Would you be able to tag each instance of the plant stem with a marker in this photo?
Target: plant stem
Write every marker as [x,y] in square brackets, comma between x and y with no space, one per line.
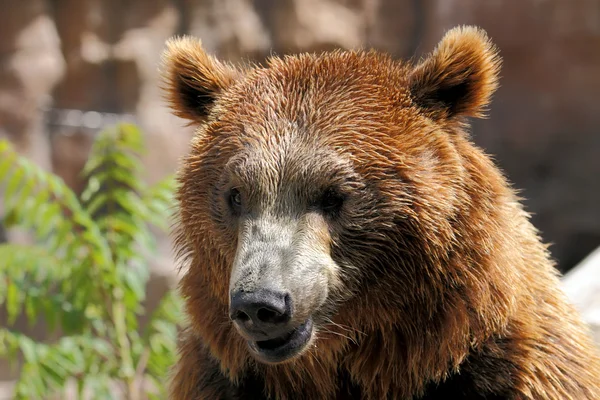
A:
[123,341]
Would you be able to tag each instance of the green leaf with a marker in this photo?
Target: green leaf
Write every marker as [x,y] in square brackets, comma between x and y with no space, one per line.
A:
[126,162]
[29,349]
[41,199]
[96,203]
[72,321]
[57,186]
[131,137]
[26,189]
[55,373]
[91,189]
[7,159]
[136,283]
[48,218]
[13,303]
[13,184]
[50,315]
[31,309]
[126,178]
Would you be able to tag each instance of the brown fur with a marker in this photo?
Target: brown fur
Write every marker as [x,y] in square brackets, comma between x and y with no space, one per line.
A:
[447,291]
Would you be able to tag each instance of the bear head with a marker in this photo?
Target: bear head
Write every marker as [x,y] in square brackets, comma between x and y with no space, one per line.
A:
[328,196]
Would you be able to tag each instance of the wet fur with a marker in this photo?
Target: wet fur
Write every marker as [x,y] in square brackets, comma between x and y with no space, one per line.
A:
[447,290]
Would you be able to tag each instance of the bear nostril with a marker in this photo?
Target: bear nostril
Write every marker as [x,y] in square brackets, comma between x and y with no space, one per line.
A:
[240,316]
[267,315]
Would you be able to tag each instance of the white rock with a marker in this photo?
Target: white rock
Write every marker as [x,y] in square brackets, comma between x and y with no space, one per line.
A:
[582,286]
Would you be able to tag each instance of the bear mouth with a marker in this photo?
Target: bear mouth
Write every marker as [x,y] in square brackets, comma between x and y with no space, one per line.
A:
[284,347]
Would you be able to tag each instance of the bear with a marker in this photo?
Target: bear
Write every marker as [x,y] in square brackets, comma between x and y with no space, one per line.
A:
[343,237]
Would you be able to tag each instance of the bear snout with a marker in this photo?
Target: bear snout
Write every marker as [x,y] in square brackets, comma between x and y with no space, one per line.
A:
[262,314]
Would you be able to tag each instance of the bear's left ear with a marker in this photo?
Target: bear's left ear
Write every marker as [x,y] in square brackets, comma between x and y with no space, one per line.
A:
[193,80]
[459,77]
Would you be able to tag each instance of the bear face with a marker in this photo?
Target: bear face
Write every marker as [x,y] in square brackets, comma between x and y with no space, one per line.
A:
[291,174]
[335,216]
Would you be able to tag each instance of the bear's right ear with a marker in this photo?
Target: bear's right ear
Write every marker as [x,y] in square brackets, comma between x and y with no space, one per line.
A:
[193,80]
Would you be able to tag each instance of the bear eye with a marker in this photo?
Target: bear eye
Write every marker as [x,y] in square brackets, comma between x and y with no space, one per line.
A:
[235,200]
[331,201]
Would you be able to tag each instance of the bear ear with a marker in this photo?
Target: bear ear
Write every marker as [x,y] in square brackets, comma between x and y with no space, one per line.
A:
[193,80]
[459,77]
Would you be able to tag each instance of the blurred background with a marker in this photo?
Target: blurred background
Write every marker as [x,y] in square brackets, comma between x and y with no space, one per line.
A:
[68,68]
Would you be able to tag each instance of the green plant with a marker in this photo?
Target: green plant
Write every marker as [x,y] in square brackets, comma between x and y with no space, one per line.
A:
[86,273]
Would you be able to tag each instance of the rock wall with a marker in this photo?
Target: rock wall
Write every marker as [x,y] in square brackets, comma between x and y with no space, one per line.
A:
[582,286]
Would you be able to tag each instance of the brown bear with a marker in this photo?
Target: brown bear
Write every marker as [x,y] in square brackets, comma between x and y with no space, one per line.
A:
[344,238]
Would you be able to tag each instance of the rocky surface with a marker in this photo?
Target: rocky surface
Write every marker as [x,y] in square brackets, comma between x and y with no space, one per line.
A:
[582,286]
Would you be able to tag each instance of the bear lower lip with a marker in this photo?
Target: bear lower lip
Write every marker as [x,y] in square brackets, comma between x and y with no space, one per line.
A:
[284,347]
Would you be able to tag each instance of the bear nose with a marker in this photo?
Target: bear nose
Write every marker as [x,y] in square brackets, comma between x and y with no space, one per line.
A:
[262,309]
